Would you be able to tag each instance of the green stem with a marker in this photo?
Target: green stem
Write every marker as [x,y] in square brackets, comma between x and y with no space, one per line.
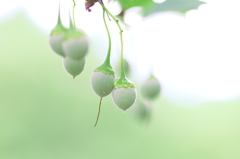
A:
[59,17]
[107,61]
[121,39]
[99,110]
[74,4]
[121,57]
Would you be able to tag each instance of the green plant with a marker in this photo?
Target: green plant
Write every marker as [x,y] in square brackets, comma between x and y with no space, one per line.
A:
[73,45]
[74,67]
[56,36]
[127,68]
[75,42]
[102,78]
[124,93]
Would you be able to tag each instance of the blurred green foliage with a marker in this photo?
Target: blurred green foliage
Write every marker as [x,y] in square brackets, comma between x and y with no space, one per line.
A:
[45,114]
[150,7]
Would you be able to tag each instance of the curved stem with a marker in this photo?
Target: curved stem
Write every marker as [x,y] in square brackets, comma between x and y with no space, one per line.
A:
[121,39]
[107,61]
[99,109]
[74,4]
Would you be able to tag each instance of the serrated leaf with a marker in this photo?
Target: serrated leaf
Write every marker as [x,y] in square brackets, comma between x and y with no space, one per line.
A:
[181,6]
[150,7]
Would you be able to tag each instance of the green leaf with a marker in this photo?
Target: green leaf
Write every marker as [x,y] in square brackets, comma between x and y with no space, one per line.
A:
[126,4]
[181,6]
[150,7]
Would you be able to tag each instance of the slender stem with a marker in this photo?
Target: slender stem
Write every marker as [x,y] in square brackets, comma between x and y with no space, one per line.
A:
[107,13]
[111,16]
[74,4]
[121,39]
[59,17]
[121,57]
[99,109]
[107,61]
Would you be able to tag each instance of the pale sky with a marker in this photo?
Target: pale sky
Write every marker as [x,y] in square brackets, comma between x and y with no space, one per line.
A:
[196,56]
